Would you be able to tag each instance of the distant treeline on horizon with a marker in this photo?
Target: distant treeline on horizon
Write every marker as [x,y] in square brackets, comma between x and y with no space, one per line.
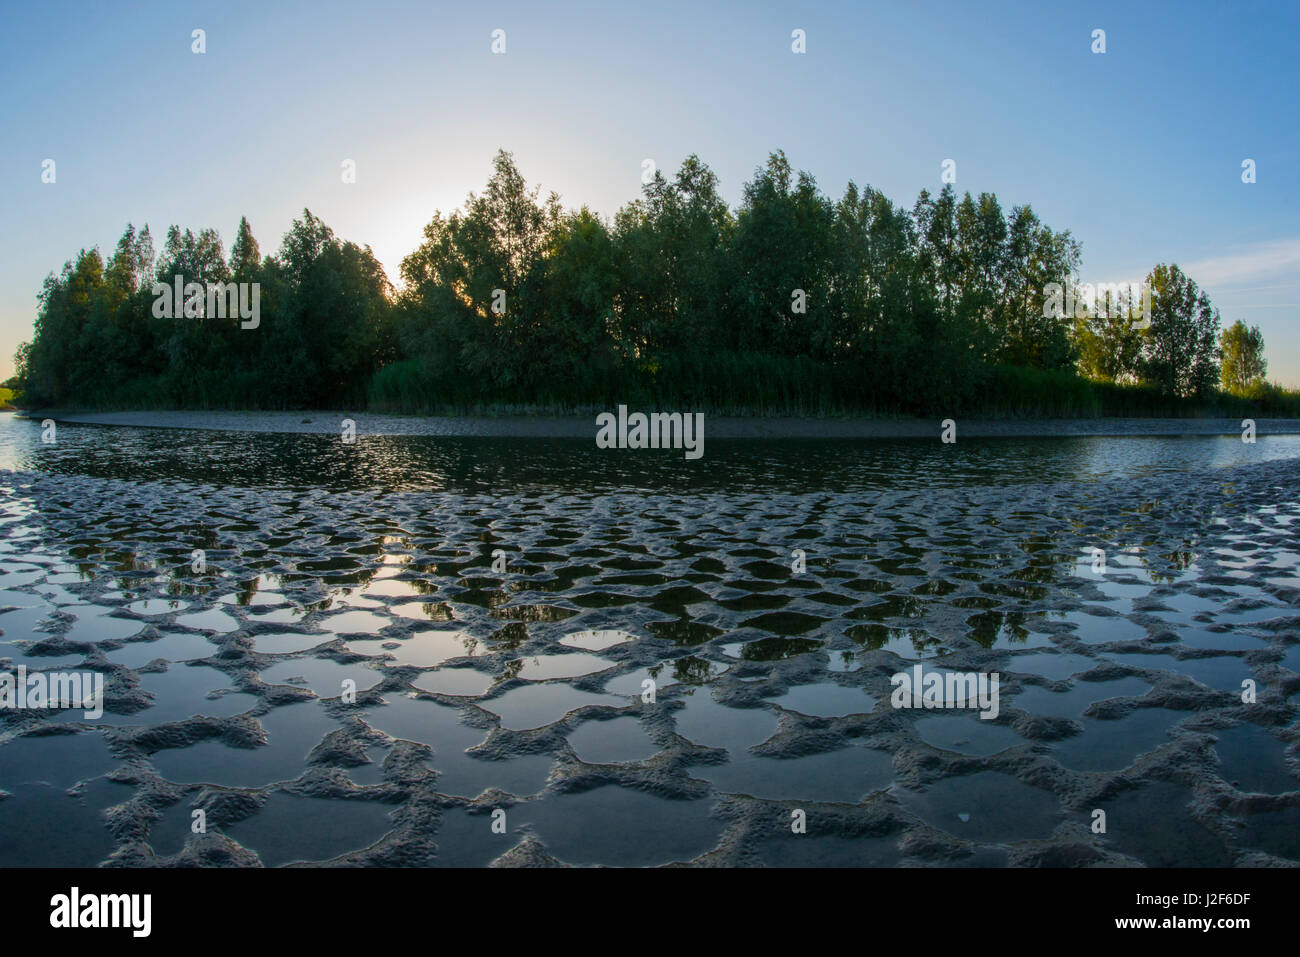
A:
[791,304]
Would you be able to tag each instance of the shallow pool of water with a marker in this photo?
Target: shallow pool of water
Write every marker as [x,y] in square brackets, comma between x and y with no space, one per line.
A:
[625,652]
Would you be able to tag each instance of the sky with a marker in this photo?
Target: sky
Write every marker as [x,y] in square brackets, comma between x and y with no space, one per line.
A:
[1138,151]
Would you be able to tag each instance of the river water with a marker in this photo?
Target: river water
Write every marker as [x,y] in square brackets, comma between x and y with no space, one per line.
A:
[453,651]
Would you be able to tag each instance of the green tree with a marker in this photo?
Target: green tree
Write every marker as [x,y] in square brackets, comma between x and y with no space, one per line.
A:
[675,274]
[327,325]
[1180,347]
[1034,256]
[244,255]
[1109,346]
[781,243]
[1244,366]
[475,301]
[22,362]
[131,265]
[878,305]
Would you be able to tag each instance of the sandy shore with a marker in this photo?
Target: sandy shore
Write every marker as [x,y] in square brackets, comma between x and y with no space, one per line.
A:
[584,427]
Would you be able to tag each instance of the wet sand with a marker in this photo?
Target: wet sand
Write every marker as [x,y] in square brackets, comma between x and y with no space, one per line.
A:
[480,690]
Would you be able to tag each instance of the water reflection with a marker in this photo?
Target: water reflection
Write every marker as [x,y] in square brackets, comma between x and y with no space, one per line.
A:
[392,463]
[651,626]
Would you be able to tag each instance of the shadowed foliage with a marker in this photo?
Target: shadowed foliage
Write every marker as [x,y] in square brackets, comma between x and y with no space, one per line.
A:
[790,304]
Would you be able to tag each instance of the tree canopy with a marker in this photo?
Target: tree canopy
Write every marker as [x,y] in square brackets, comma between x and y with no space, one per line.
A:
[790,302]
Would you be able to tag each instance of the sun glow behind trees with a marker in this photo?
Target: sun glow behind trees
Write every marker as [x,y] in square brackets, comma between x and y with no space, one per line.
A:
[792,302]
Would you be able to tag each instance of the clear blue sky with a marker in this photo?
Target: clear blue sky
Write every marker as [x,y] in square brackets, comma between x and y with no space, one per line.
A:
[1137,151]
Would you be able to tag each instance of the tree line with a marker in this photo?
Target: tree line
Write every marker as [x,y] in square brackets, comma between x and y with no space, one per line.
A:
[792,302]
